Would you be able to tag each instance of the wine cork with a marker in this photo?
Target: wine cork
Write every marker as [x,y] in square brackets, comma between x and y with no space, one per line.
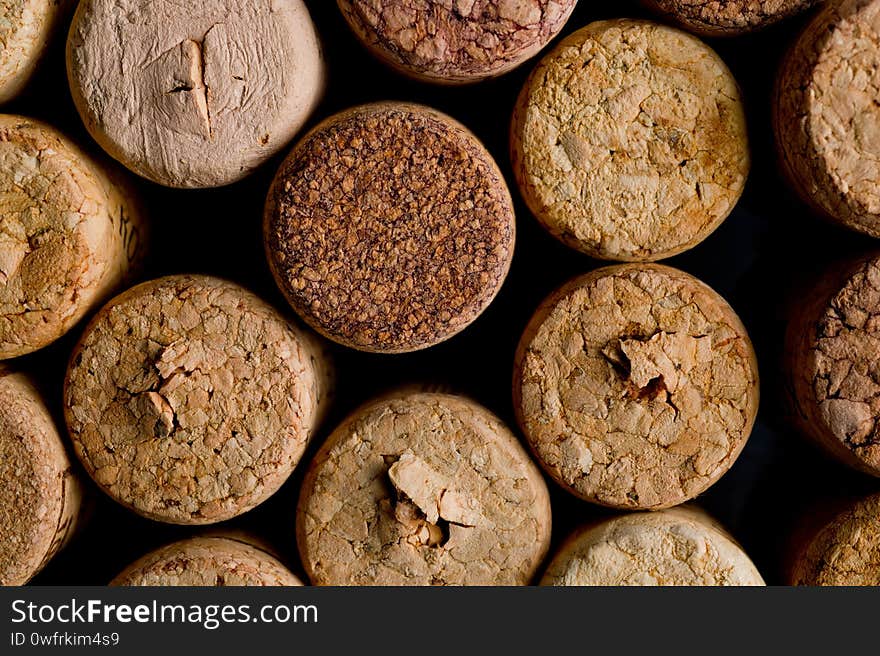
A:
[680,547]
[26,28]
[194,94]
[422,489]
[826,116]
[636,386]
[728,17]
[189,400]
[831,364]
[207,561]
[389,228]
[845,550]
[456,42]
[41,497]
[629,141]
[69,235]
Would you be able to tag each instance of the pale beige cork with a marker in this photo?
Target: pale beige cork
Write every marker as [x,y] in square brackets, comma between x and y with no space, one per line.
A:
[194,94]
[831,364]
[728,17]
[636,386]
[422,489]
[675,547]
[207,561]
[629,141]
[26,29]
[844,550]
[389,228]
[190,400]
[71,232]
[826,114]
[455,41]
[41,496]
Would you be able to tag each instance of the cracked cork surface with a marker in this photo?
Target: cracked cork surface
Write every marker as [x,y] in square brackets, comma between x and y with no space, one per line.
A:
[629,141]
[832,368]
[455,41]
[40,497]
[207,561]
[190,400]
[69,235]
[194,94]
[389,228]
[636,386]
[676,547]
[728,17]
[827,117]
[423,489]
[844,551]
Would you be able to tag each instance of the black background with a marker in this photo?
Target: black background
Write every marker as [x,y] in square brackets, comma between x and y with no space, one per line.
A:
[758,260]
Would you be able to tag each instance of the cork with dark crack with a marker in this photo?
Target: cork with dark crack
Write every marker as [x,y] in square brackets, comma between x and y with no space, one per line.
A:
[826,114]
[207,561]
[728,17]
[190,400]
[636,386]
[389,228]
[675,547]
[629,141]
[455,41]
[844,551]
[70,233]
[40,496]
[194,94]
[832,369]
[422,489]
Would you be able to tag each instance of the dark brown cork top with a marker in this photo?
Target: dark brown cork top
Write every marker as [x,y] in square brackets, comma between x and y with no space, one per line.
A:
[728,17]
[389,228]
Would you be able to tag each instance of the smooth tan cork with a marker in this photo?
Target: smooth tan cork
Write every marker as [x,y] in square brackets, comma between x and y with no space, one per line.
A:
[728,17]
[70,233]
[194,94]
[629,141]
[832,371]
[826,115]
[842,551]
[455,42]
[26,29]
[676,547]
[389,228]
[190,400]
[207,561]
[422,489]
[636,386]
[40,497]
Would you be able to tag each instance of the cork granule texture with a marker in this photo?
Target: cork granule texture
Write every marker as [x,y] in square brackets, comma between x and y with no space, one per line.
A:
[189,400]
[26,27]
[729,17]
[389,228]
[456,41]
[629,141]
[636,386]
[423,489]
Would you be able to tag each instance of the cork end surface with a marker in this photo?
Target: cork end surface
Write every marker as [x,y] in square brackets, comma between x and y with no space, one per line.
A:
[729,17]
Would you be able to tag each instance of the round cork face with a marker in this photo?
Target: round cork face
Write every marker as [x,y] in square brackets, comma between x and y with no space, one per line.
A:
[65,235]
[629,141]
[389,259]
[422,489]
[636,386]
[456,42]
[729,17]
[194,94]
[834,374]
[681,546]
[189,400]
[207,561]
[827,117]
[845,551]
